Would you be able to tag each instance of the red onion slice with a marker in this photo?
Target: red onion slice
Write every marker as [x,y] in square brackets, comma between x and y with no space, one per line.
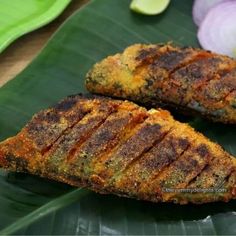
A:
[201,7]
[218,30]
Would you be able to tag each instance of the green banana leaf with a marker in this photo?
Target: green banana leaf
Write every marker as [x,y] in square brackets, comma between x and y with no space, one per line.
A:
[31,205]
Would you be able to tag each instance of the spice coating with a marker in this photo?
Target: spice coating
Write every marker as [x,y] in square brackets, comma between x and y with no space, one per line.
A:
[118,147]
[189,80]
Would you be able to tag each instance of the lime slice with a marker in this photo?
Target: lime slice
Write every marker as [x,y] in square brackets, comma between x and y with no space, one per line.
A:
[149,7]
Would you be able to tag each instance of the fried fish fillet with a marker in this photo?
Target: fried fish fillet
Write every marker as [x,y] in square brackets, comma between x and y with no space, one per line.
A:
[189,80]
[117,147]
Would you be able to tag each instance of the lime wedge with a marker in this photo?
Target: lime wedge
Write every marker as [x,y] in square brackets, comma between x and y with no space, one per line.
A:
[149,7]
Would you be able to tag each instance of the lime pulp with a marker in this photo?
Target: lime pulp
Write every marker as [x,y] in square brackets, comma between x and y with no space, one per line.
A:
[149,7]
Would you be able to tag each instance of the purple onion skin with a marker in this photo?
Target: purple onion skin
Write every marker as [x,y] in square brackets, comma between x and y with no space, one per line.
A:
[201,8]
[217,32]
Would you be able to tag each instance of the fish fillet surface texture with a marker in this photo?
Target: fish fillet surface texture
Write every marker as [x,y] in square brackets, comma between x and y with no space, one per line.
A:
[117,147]
[189,80]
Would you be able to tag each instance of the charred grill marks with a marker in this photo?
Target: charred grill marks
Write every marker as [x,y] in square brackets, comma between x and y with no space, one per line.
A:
[121,172]
[121,148]
[140,171]
[64,150]
[104,138]
[48,126]
[189,79]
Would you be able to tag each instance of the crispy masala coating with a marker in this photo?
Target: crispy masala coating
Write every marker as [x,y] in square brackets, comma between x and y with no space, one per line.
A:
[189,80]
[118,147]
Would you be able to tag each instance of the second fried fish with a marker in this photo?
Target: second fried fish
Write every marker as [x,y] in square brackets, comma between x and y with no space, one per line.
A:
[191,80]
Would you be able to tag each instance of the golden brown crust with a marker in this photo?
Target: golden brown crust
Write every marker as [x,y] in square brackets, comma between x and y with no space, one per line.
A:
[189,79]
[114,146]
